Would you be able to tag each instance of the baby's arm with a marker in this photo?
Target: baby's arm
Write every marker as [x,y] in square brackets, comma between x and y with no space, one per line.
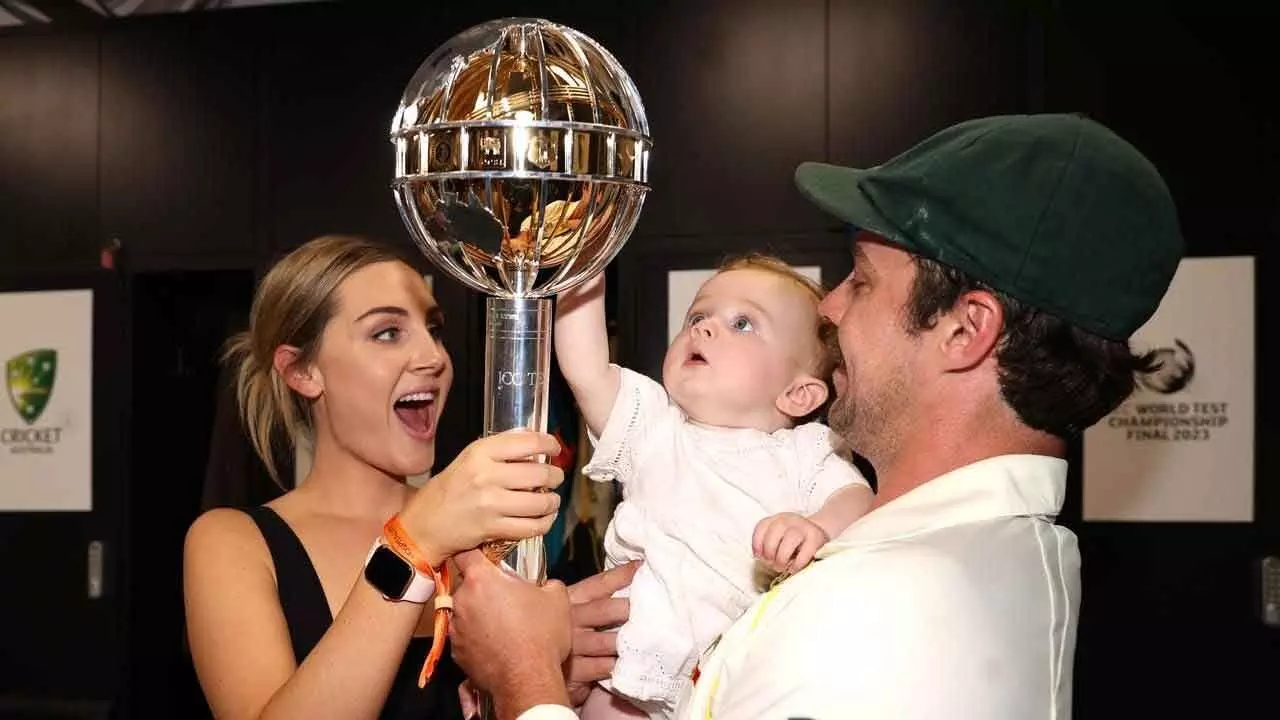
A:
[582,351]
[787,541]
[843,507]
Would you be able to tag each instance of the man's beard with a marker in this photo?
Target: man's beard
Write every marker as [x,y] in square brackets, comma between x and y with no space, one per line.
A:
[841,414]
[863,422]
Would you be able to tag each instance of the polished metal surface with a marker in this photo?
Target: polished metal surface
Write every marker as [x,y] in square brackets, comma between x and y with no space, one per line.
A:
[521,157]
[518,350]
[521,167]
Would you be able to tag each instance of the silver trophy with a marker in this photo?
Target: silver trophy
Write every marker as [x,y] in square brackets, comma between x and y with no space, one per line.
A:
[522,156]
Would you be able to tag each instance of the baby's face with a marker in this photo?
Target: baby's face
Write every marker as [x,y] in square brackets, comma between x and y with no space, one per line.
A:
[748,334]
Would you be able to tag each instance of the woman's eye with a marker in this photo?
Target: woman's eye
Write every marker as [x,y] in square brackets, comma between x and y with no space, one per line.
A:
[436,330]
[388,335]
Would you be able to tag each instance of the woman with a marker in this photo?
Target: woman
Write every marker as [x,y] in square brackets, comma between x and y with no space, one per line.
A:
[343,345]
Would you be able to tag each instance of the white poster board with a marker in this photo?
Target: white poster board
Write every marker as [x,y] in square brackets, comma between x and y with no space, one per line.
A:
[1181,449]
[682,288]
[46,416]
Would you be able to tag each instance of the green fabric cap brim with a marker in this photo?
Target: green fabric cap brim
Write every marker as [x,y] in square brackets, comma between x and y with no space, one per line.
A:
[837,191]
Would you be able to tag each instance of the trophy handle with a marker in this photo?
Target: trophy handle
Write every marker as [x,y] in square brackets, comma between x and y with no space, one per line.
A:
[517,361]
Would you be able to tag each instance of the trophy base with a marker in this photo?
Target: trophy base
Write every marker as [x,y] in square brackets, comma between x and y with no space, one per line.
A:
[526,558]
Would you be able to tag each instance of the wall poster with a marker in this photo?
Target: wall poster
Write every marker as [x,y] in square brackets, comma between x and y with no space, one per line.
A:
[46,418]
[1181,449]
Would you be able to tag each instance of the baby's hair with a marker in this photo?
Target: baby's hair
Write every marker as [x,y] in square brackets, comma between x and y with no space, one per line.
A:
[775,265]
[828,357]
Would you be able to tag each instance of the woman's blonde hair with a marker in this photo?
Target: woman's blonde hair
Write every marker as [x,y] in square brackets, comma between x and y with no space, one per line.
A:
[293,304]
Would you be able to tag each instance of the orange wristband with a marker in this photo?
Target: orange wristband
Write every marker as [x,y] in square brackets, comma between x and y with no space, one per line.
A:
[398,538]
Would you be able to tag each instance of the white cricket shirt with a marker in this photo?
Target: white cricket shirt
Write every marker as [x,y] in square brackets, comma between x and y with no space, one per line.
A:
[955,601]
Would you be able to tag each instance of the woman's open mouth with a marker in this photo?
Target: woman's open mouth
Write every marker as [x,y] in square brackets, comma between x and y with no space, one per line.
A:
[416,411]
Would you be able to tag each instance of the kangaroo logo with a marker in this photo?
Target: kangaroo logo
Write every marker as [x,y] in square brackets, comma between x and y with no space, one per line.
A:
[30,377]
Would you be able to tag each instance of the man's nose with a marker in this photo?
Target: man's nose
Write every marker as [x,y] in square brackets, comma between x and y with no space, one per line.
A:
[832,307]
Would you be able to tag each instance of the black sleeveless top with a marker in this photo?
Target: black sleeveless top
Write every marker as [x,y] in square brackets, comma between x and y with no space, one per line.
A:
[307,613]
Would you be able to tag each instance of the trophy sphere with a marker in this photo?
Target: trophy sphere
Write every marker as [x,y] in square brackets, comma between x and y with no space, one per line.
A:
[521,157]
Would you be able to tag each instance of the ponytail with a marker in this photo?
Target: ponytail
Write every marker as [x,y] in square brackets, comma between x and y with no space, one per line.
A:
[265,402]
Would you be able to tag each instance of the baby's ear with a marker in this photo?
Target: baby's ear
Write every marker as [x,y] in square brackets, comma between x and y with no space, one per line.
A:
[805,394]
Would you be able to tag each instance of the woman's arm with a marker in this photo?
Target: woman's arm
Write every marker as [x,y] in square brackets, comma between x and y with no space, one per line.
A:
[240,643]
[239,639]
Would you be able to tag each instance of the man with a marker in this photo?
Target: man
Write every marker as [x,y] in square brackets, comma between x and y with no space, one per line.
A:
[1000,267]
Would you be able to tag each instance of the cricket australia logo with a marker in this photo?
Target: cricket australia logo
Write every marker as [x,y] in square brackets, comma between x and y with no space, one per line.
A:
[29,378]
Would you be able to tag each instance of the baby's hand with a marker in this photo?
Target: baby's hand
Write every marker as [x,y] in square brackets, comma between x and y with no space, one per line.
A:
[787,541]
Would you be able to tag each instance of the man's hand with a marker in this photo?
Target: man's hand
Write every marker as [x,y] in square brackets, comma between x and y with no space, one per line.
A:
[510,636]
[787,541]
[595,613]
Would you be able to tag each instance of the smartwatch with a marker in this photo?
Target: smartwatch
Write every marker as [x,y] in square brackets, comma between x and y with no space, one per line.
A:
[395,577]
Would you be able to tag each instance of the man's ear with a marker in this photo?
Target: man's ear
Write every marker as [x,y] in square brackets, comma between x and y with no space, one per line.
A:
[971,331]
[804,395]
[303,379]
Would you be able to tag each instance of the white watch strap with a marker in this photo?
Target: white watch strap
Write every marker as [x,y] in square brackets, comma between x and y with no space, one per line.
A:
[420,587]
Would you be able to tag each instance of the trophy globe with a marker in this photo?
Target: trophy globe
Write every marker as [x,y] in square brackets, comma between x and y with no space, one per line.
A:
[521,166]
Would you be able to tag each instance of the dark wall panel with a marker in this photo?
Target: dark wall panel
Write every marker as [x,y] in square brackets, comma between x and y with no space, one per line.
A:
[901,71]
[332,78]
[48,152]
[178,147]
[734,93]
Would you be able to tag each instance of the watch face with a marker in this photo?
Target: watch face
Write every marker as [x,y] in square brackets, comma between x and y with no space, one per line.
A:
[388,573]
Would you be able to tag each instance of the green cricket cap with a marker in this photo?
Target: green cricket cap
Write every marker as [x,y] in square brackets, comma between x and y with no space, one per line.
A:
[1054,210]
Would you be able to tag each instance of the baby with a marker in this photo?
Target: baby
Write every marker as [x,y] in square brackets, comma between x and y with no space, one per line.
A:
[719,465]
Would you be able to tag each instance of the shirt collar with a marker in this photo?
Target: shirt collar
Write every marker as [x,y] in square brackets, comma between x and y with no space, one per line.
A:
[1002,486]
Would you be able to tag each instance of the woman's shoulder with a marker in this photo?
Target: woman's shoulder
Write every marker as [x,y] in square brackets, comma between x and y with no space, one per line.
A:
[223,532]
[226,525]
[225,556]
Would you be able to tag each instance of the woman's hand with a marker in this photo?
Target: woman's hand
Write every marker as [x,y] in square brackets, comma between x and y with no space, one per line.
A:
[489,492]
